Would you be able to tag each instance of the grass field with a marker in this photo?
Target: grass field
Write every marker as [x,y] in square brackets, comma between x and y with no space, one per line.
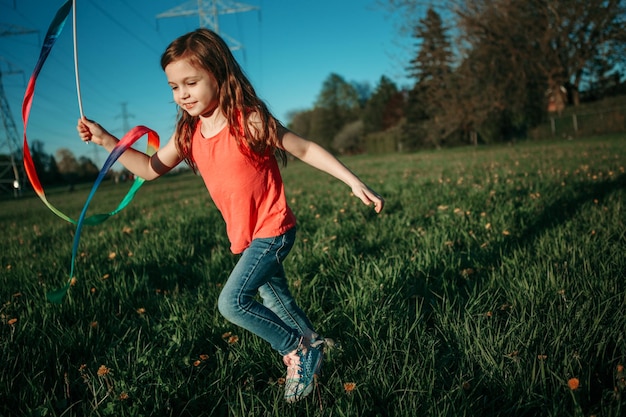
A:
[493,284]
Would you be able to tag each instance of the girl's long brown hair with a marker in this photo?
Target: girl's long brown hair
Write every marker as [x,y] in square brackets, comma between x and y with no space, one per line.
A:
[237,98]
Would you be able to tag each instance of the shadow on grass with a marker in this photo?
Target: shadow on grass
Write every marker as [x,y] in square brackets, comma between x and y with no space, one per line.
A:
[456,290]
[562,209]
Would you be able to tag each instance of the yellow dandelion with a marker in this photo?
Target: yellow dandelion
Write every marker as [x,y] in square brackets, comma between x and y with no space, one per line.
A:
[233,339]
[103,370]
[542,357]
[204,357]
[12,321]
[141,310]
[127,230]
[73,281]
[123,396]
[112,255]
[349,386]
[573,384]
[620,368]
[93,324]
[106,276]
[93,290]
[226,335]
[467,272]
[197,363]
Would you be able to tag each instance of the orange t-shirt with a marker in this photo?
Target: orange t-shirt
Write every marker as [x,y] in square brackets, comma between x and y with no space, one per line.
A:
[249,193]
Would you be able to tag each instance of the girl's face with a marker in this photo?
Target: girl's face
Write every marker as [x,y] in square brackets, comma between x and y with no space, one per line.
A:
[195,89]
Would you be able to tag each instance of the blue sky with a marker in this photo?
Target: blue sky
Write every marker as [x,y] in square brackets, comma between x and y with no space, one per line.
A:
[290,48]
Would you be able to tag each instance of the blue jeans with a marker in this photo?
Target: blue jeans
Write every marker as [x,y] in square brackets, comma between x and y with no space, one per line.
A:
[278,320]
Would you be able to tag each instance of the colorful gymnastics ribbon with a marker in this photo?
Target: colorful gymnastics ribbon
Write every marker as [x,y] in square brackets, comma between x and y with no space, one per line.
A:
[127,141]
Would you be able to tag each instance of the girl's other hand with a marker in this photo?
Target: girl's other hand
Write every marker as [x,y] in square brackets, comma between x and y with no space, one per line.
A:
[369,197]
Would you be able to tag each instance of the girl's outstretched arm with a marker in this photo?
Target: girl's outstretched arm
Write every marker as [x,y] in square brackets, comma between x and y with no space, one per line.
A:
[316,156]
[137,162]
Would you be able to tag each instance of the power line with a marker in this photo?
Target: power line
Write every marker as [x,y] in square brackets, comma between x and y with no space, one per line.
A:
[124,28]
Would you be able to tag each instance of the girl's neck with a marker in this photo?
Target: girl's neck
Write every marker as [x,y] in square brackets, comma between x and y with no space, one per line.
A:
[212,124]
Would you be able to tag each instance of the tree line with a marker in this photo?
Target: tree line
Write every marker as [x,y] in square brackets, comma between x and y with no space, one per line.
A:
[63,167]
[482,71]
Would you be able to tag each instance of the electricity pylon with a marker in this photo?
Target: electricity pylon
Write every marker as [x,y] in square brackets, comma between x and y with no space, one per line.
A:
[9,146]
[11,170]
[208,12]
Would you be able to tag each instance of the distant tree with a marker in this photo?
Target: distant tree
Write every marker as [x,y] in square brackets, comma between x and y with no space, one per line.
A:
[349,140]
[514,56]
[584,33]
[68,165]
[434,58]
[384,108]
[300,122]
[499,79]
[66,161]
[559,39]
[337,104]
[45,165]
[325,124]
[88,171]
[337,93]
[363,91]
[432,94]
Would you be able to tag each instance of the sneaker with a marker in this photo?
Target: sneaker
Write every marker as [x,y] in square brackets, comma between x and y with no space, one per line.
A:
[303,366]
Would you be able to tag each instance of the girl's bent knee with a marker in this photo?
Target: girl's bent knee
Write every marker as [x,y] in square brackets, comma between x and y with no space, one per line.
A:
[227,306]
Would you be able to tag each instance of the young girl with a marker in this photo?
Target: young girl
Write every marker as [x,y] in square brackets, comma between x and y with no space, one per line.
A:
[227,134]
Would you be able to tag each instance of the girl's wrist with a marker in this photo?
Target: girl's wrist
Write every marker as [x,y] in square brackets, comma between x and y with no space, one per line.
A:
[109,143]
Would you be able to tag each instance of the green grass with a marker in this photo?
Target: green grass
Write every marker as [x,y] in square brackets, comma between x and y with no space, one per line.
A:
[493,277]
